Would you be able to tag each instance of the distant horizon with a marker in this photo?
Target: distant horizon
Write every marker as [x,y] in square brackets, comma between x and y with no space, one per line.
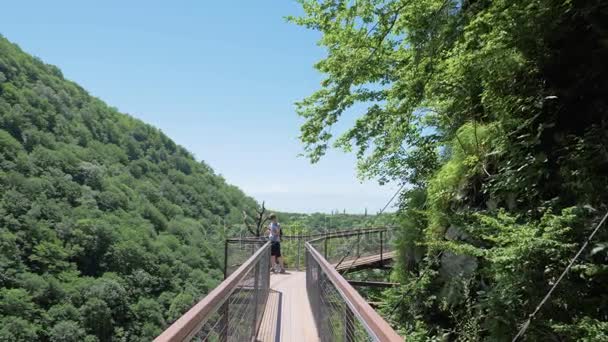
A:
[224,92]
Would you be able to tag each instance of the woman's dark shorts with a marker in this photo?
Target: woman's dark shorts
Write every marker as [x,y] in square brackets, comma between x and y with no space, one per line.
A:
[275,248]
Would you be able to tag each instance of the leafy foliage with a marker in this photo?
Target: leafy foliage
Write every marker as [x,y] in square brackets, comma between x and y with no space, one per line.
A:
[108,229]
[495,114]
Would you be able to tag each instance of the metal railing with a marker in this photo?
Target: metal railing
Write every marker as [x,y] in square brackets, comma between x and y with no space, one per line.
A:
[364,242]
[351,249]
[238,251]
[233,310]
[340,313]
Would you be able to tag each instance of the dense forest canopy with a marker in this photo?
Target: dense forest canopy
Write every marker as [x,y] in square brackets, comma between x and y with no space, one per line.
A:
[295,223]
[108,229]
[495,115]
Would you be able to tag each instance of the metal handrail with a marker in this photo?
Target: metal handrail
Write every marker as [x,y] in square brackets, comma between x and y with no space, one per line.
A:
[345,233]
[379,232]
[299,239]
[336,233]
[187,326]
[373,323]
[233,310]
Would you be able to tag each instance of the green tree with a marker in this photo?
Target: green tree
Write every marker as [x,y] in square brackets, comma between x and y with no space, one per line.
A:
[148,313]
[179,304]
[15,329]
[67,331]
[17,302]
[97,319]
[484,109]
[62,312]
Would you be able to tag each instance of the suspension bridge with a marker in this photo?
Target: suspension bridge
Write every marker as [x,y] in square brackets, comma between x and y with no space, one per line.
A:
[312,301]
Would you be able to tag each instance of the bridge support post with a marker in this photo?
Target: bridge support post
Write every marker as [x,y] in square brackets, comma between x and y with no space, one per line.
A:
[381,248]
[224,310]
[299,237]
[325,247]
[358,244]
[225,259]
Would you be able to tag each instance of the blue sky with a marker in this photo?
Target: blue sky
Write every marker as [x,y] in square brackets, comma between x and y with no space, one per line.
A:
[218,77]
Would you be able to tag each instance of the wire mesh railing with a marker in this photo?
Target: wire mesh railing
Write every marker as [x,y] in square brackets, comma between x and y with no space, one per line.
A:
[233,310]
[340,313]
[348,249]
[238,250]
[361,242]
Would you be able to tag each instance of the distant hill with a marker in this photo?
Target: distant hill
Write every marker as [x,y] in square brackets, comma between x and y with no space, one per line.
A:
[294,223]
[108,229]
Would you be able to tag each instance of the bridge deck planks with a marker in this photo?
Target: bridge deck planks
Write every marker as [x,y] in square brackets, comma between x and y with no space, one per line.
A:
[288,316]
[354,262]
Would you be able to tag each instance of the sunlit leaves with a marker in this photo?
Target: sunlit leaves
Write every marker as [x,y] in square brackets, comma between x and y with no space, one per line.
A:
[483,106]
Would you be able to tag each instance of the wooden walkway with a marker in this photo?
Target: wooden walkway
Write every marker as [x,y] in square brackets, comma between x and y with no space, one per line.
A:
[354,263]
[287,313]
[288,316]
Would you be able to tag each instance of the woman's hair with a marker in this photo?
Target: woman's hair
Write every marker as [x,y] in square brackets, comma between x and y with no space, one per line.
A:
[272,216]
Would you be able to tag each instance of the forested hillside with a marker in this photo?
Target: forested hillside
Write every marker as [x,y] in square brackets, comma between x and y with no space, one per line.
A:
[108,229]
[494,114]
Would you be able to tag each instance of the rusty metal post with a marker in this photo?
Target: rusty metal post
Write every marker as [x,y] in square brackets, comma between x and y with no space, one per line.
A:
[225,259]
[299,237]
[381,248]
[358,243]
